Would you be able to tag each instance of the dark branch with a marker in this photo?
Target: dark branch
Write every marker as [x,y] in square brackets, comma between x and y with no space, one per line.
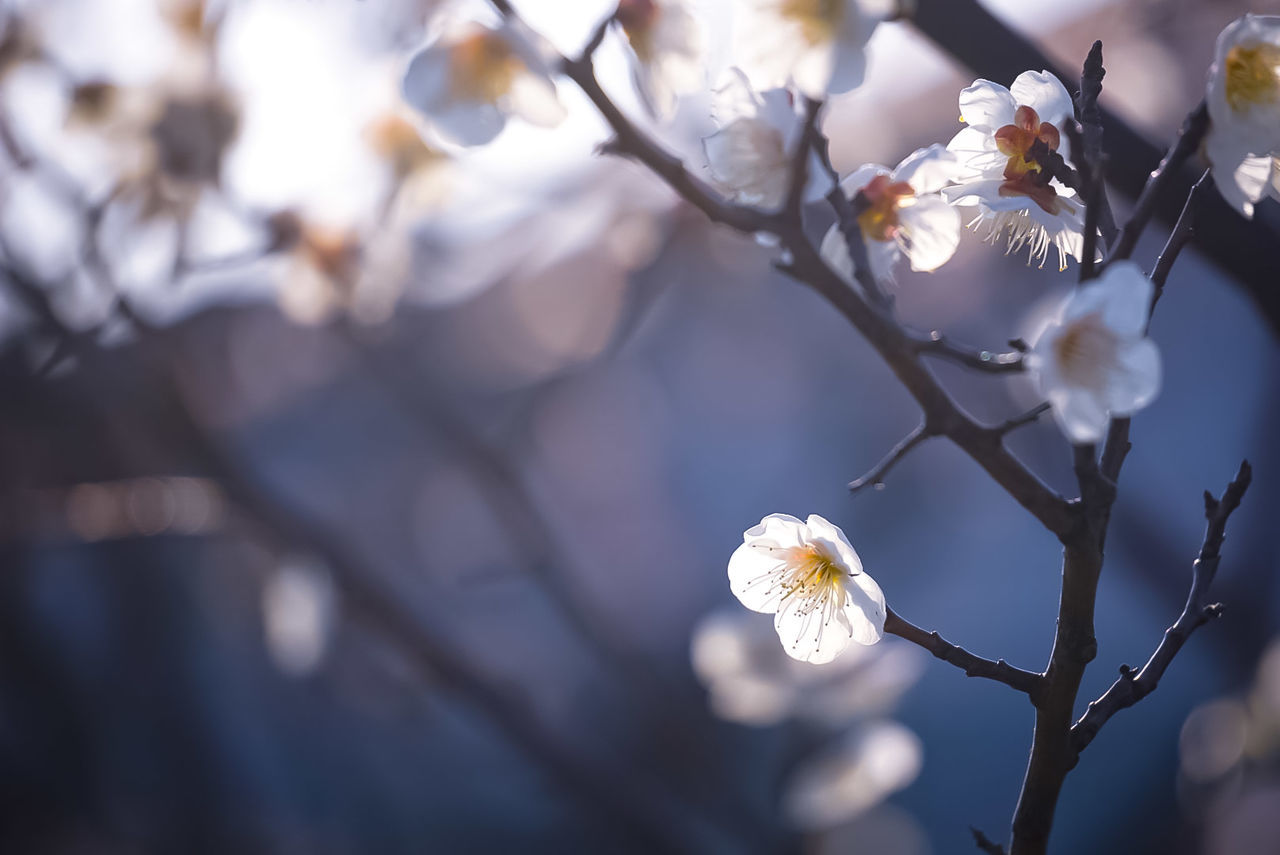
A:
[989,361]
[1132,686]
[1091,154]
[1183,231]
[1026,418]
[1027,682]
[876,476]
[986,844]
[847,222]
[799,177]
[1189,137]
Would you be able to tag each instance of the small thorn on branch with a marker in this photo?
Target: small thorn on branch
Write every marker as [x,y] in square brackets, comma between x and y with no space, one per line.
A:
[986,844]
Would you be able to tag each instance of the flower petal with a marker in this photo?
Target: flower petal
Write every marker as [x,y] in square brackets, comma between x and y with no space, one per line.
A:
[865,609]
[1135,382]
[986,105]
[1080,413]
[930,232]
[1045,93]
[1123,295]
[930,169]
[820,529]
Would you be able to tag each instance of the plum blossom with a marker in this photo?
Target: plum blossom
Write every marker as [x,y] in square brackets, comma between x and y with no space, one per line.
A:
[816,45]
[810,578]
[667,48]
[750,156]
[901,214]
[1008,130]
[1243,98]
[1095,360]
[750,680]
[468,80]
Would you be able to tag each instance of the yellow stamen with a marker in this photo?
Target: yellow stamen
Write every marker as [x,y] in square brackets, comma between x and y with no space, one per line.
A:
[819,20]
[483,68]
[1253,75]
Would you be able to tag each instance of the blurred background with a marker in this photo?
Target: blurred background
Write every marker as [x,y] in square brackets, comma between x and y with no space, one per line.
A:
[363,495]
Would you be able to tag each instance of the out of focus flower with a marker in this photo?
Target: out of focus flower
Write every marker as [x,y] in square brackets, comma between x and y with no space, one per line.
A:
[1010,132]
[1243,97]
[750,680]
[298,609]
[1095,361]
[750,155]
[870,762]
[817,45]
[472,77]
[810,578]
[667,44]
[901,214]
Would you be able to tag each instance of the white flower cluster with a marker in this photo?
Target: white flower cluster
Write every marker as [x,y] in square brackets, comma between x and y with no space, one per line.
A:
[1093,361]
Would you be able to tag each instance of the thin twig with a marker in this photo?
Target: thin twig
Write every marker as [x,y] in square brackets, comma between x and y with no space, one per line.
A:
[1133,686]
[1026,418]
[1189,137]
[1183,231]
[851,230]
[988,361]
[986,844]
[799,177]
[876,476]
[1091,152]
[1027,682]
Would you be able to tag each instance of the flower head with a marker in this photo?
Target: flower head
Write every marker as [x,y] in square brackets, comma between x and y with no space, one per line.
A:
[901,214]
[811,579]
[1095,360]
[667,48]
[817,45]
[467,81]
[1243,97]
[750,155]
[1010,134]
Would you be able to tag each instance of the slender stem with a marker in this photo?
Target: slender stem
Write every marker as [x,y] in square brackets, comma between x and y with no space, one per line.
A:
[1133,686]
[876,476]
[998,670]
[1189,137]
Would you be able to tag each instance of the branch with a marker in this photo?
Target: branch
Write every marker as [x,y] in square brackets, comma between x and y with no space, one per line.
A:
[1026,418]
[876,476]
[895,345]
[1189,137]
[1183,231]
[1091,153]
[1133,686]
[847,222]
[986,844]
[1027,682]
[809,134]
[991,362]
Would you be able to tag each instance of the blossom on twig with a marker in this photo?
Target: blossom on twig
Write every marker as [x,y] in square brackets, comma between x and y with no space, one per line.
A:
[1243,97]
[816,45]
[1095,361]
[750,156]
[472,77]
[809,576]
[901,214]
[1011,134]
[667,51]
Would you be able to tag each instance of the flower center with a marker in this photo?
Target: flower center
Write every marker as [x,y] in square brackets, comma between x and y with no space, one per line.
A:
[483,67]
[638,19]
[1253,75]
[1086,351]
[812,575]
[819,20]
[1024,175]
[879,202]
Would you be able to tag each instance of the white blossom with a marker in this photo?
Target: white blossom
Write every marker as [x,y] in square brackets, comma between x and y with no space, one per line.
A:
[1095,361]
[1015,195]
[1243,97]
[901,214]
[472,77]
[750,156]
[869,763]
[819,46]
[810,578]
[667,47]
[750,680]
